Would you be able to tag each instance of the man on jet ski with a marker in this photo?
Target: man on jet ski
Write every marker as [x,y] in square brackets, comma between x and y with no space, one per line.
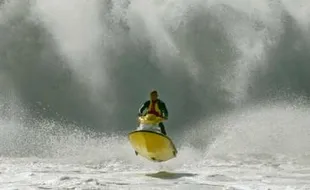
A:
[157,107]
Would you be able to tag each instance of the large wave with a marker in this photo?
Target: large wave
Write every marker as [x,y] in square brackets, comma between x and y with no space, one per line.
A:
[94,62]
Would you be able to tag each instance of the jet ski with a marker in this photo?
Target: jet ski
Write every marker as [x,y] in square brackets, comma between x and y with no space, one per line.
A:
[148,141]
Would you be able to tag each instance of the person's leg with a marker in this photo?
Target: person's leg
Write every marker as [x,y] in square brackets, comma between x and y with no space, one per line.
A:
[162,128]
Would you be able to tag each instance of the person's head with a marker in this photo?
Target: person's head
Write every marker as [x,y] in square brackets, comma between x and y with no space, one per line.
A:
[154,95]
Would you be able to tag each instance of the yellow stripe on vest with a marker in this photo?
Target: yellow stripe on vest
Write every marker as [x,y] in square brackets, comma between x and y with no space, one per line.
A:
[156,107]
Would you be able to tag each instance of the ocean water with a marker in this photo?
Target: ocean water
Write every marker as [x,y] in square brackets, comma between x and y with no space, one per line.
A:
[234,76]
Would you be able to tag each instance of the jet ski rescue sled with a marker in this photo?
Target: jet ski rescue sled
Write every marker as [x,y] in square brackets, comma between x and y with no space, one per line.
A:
[148,141]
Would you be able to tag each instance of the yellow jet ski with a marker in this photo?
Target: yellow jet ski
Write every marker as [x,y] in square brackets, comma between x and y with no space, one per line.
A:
[148,141]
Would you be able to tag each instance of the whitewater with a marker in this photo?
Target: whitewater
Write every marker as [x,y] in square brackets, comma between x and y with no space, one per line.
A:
[233,74]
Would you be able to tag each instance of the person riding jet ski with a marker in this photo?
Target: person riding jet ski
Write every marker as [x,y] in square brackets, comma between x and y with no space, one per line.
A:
[157,107]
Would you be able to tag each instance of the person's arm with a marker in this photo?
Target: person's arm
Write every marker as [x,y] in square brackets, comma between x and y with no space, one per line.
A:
[164,110]
[143,107]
